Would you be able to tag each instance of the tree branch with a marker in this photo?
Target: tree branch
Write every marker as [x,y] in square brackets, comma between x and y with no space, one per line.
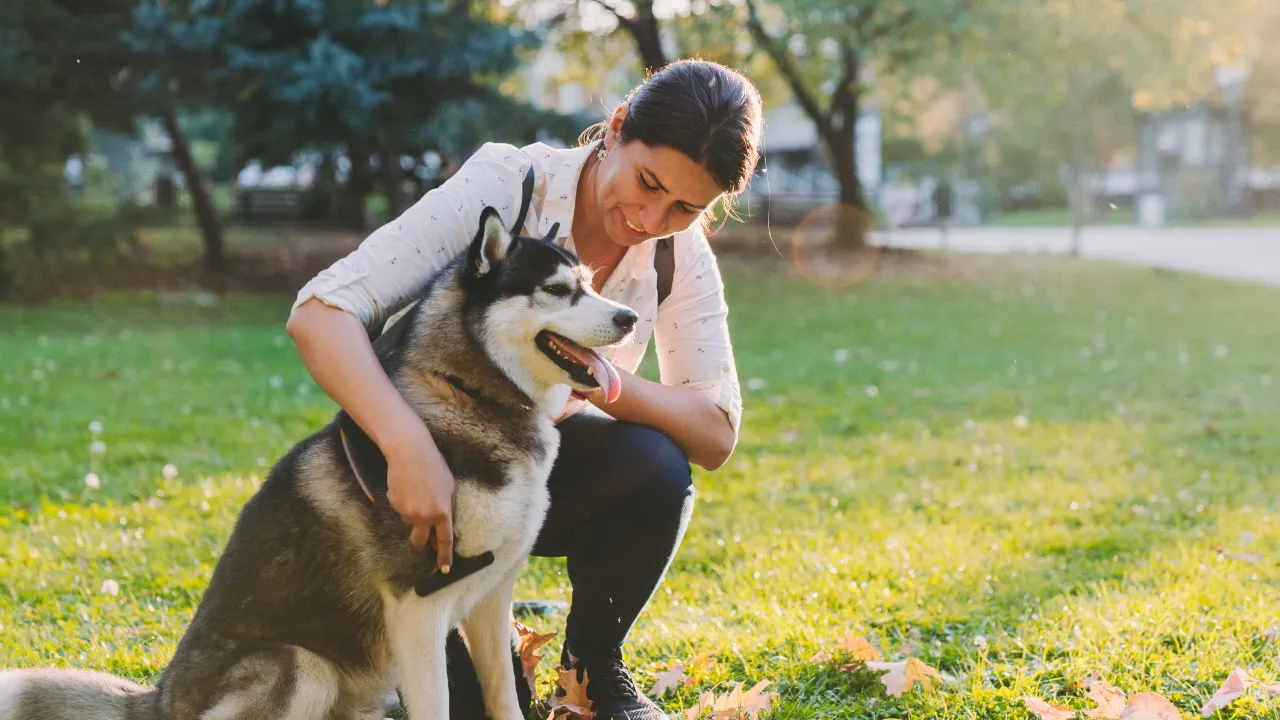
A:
[786,65]
[844,100]
[623,20]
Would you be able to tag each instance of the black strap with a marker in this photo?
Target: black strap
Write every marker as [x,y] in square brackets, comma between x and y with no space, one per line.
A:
[518,227]
[664,263]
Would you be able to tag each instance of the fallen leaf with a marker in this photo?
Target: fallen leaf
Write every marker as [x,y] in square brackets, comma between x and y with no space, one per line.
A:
[1233,687]
[1149,706]
[1110,700]
[904,675]
[706,657]
[1045,711]
[1246,557]
[822,656]
[859,648]
[574,704]
[527,645]
[668,680]
[736,705]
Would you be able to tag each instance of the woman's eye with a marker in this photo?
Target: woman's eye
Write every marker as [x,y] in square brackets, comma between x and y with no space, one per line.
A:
[646,184]
[558,290]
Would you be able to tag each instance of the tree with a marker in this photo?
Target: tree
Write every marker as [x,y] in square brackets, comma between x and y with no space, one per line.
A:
[355,78]
[824,49]
[1067,76]
[636,18]
[59,62]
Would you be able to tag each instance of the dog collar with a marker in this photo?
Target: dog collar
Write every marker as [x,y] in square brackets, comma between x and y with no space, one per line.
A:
[355,467]
[474,394]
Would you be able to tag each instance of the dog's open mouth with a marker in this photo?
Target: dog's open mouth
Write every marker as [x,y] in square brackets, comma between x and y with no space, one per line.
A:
[585,366]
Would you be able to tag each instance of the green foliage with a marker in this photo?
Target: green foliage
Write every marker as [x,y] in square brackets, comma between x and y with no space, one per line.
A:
[1096,536]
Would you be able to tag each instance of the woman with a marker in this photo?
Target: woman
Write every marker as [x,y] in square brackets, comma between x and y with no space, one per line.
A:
[621,496]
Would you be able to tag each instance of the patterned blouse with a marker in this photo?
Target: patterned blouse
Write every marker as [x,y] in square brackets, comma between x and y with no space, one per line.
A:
[381,277]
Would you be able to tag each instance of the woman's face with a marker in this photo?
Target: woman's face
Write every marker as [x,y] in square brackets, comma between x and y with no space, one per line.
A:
[645,192]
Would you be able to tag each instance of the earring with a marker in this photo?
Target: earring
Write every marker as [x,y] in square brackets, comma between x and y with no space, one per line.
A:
[601,152]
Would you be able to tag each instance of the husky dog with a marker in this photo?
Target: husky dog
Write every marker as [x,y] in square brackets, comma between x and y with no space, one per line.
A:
[312,611]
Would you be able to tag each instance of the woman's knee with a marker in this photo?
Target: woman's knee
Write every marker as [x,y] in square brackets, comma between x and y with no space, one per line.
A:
[658,466]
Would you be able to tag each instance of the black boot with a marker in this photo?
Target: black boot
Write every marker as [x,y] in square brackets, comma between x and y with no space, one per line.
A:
[612,692]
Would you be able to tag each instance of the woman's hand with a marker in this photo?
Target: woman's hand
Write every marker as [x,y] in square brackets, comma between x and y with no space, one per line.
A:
[420,487]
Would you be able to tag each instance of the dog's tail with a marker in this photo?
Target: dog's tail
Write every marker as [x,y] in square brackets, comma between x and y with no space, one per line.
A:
[72,695]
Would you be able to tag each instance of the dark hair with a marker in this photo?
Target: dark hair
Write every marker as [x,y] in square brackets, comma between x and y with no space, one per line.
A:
[705,110]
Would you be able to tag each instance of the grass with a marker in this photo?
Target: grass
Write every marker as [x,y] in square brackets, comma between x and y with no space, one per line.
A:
[1060,217]
[883,484]
[1056,217]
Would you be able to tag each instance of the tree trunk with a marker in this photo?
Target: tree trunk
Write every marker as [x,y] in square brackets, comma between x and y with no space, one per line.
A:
[393,182]
[354,191]
[839,134]
[214,255]
[6,275]
[644,28]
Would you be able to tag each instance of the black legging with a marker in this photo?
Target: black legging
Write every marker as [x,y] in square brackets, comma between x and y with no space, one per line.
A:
[621,498]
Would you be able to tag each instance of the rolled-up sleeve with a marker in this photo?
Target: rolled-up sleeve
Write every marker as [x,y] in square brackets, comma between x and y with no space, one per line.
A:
[692,332]
[387,271]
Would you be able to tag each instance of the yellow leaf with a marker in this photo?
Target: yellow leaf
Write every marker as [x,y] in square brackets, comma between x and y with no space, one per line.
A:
[527,646]
[1045,711]
[668,680]
[904,675]
[1110,700]
[1149,706]
[859,648]
[574,703]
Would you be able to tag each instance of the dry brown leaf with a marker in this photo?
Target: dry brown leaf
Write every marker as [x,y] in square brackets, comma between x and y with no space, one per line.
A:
[1233,687]
[820,657]
[668,680]
[527,646]
[859,648]
[706,657]
[736,705]
[574,704]
[1045,711]
[904,675]
[1110,700]
[1149,706]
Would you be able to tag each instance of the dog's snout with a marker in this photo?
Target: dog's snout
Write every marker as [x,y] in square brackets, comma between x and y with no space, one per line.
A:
[625,319]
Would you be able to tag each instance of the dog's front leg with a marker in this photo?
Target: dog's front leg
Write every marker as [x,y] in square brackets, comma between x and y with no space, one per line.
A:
[417,628]
[488,633]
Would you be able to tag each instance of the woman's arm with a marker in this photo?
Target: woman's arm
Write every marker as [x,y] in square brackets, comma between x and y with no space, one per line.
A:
[689,417]
[336,350]
[375,281]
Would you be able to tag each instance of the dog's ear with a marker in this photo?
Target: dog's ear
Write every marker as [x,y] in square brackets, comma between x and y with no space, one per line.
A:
[491,243]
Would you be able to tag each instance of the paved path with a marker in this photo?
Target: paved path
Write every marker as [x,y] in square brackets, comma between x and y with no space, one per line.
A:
[1252,254]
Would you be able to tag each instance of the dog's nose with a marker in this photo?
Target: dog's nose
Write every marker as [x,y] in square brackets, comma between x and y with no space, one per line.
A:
[625,319]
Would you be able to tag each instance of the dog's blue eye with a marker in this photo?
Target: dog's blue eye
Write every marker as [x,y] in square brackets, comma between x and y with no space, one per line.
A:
[558,290]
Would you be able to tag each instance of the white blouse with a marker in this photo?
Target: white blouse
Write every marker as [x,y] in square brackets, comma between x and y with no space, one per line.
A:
[382,276]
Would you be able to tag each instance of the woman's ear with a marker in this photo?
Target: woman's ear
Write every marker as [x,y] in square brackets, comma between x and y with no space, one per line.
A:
[614,129]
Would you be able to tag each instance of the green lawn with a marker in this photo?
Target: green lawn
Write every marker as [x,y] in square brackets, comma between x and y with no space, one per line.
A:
[1056,217]
[1060,217]
[1029,471]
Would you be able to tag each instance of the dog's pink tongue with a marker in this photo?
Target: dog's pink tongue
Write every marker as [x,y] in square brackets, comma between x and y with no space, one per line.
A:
[601,369]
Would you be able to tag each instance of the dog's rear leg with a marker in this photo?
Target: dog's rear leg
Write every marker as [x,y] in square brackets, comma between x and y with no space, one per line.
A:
[284,683]
[488,634]
[417,628]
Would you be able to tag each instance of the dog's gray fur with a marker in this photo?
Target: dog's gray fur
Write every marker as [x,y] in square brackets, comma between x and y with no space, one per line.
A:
[311,612]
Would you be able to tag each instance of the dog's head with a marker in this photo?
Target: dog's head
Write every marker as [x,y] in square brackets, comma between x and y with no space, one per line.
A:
[539,316]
